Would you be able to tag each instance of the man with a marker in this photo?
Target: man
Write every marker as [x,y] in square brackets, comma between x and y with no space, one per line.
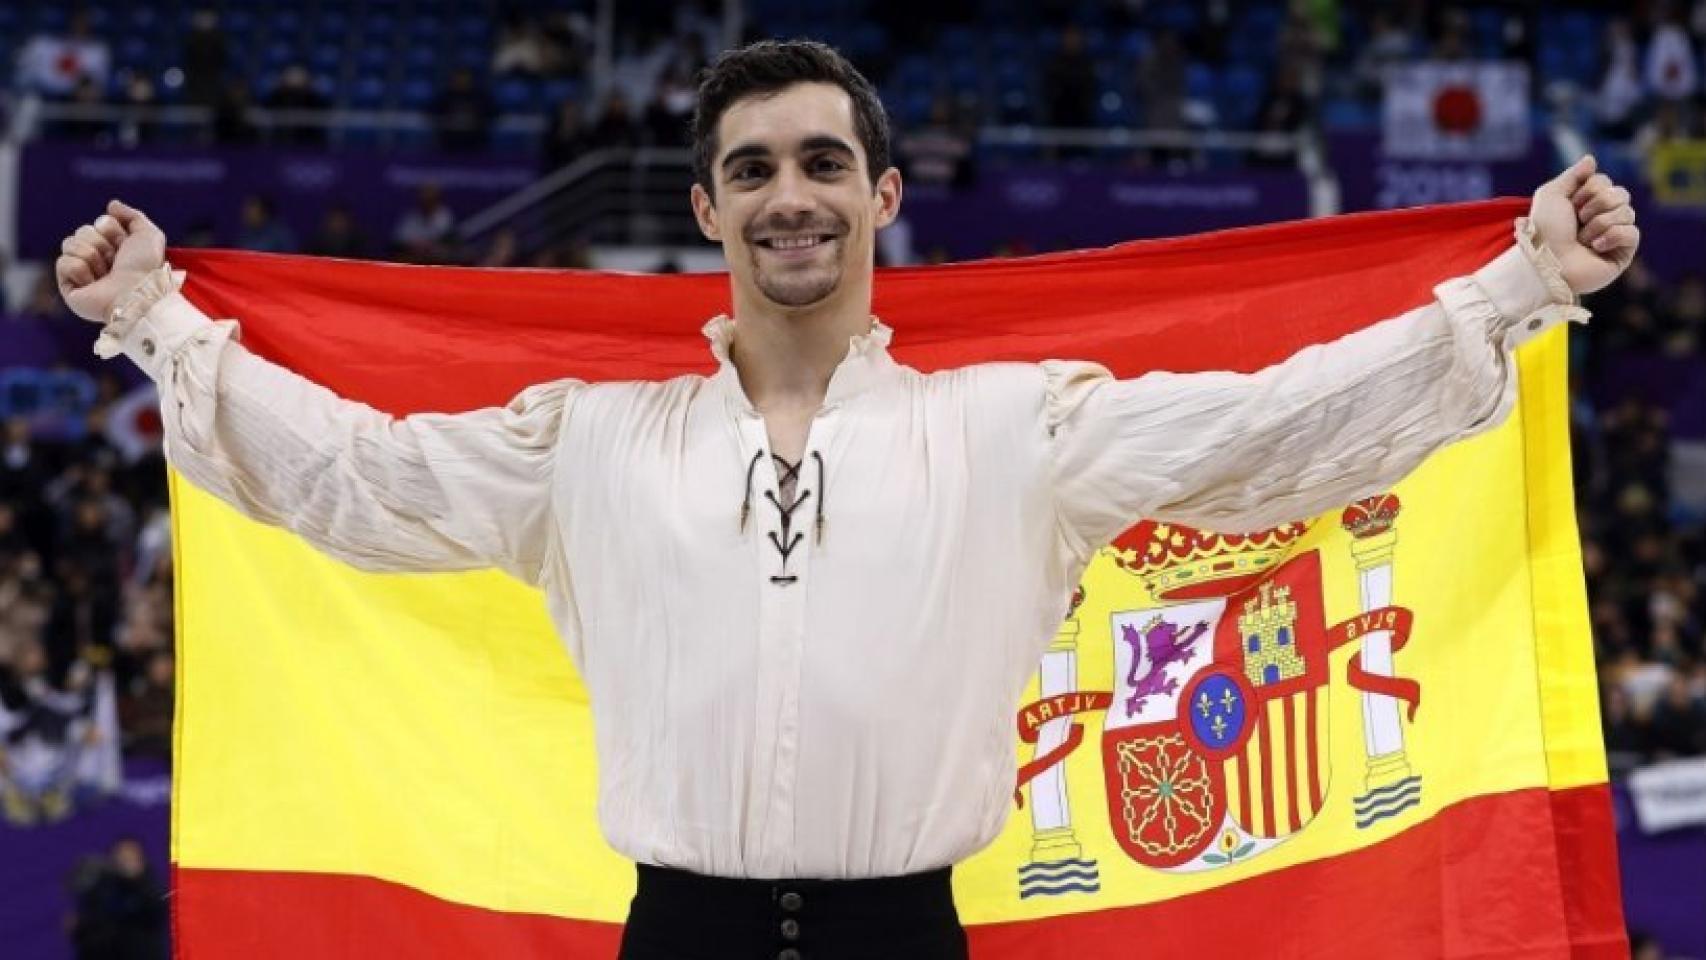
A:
[761,573]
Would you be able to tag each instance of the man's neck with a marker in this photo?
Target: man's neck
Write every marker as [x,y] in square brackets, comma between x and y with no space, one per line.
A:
[786,358]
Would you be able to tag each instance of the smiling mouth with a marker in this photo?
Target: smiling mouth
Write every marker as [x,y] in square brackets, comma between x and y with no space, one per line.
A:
[796,243]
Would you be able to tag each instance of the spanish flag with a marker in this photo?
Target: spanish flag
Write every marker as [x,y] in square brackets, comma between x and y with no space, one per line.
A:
[1369,734]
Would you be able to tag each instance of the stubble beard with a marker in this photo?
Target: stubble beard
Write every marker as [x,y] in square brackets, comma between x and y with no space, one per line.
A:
[799,288]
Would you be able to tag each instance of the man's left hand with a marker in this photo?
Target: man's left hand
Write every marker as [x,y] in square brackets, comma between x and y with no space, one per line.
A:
[1588,224]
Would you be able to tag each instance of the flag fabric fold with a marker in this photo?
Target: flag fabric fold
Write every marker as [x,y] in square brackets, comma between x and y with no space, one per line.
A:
[1371,733]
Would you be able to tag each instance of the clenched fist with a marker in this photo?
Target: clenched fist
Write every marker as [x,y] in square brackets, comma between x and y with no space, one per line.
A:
[1588,224]
[106,259]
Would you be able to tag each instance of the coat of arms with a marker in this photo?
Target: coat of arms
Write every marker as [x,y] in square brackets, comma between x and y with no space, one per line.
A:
[1215,736]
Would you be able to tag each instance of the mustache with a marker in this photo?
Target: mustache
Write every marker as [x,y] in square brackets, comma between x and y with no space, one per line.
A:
[784,225]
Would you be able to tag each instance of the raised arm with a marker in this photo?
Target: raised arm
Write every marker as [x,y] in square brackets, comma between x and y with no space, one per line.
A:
[1336,421]
[429,492]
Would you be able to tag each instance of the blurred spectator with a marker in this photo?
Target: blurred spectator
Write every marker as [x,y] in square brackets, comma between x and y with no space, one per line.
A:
[138,125]
[339,235]
[54,65]
[1451,36]
[261,230]
[615,128]
[939,151]
[87,93]
[1668,124]
[671,108]
[1300,49]
[523,48]
[1162,86]
[205,58]
[463,113]
[1627,743]
[1670,69]
[503,251]
[231,125]
[567,136]
[1390,42]
[1678,721]
[43,727]
[1285,110]
[121,908]
[1069,82]
[1620,90]
[426,232]
[145,710]
[295,93]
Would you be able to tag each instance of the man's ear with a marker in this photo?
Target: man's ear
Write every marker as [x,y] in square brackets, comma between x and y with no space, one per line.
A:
[888,197]
[705,211]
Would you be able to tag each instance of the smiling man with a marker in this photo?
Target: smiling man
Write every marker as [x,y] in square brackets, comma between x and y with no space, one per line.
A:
[844,538]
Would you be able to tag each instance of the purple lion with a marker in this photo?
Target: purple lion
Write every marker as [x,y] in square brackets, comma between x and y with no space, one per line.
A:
[1164,645]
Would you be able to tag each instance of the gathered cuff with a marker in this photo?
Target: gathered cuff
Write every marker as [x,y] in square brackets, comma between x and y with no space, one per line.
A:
[133,306]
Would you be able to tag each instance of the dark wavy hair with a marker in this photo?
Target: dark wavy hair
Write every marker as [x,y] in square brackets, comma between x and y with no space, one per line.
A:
[767,67]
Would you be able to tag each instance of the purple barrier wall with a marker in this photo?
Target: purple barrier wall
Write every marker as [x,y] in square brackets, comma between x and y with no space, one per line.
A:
[1664,881]
[36,864]
[62,185]
[1048,208]
[1671,237]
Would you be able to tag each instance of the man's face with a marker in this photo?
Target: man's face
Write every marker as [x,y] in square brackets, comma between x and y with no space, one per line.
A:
[794,207]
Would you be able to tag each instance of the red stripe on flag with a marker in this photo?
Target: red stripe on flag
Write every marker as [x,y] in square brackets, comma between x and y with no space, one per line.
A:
[1293,801]
[1500,895]
[1314,755]
[1245,817]
[1232,300]
[1270,826]
[260,914]
[1490,868]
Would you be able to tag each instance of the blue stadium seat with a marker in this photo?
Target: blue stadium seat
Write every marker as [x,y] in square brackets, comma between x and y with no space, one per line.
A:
[513,95]
[958,41]
[325,58]
[1008,46]
[1115,109]
[1348,114]
[367,93]
[284,24]
[418,93]
[420,57]
[373,57]
[1199,81]
[330,25]
[553,92]
[866,40]
[280,54]
[1241,90]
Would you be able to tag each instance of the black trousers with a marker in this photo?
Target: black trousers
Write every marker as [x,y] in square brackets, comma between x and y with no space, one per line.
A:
[684,916]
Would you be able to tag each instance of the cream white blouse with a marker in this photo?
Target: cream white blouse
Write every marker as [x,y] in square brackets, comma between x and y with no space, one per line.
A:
[825,686]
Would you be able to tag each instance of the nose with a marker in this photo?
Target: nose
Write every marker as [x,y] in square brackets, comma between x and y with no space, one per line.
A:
[792,196]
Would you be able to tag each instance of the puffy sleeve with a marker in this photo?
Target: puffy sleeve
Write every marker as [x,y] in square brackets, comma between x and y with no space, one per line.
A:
[428,492]
[1334,422]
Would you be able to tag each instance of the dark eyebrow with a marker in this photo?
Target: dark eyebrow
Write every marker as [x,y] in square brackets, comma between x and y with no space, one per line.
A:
[822,141]
[744,151]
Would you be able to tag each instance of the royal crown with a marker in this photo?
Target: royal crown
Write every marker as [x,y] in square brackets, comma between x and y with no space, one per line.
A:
[1371,516]
[1183,563]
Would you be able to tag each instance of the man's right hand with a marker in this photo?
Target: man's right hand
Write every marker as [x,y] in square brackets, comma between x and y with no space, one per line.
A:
[106,259]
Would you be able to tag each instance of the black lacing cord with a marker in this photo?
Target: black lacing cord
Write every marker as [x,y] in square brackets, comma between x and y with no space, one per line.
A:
[746,504]
[790,471]
[822,494]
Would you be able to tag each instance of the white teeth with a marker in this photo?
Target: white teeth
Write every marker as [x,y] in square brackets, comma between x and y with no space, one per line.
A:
[794,243]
